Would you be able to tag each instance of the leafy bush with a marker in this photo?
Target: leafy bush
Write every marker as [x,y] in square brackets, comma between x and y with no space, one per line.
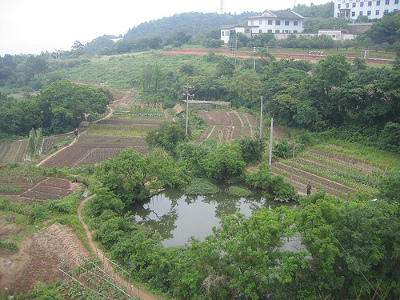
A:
[37,214]
[239,191]
[201,186]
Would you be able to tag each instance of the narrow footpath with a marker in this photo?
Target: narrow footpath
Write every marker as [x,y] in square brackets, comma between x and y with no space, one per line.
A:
[131,290]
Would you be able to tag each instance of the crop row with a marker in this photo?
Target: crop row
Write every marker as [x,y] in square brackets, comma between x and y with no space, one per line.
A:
[344,172]
[301,177]
[330,174]
[337,161]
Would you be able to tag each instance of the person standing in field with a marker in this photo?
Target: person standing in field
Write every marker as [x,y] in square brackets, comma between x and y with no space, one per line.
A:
[76,132]
[308,188]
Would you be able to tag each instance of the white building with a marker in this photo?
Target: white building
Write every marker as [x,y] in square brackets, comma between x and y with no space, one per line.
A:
[267,22]
[373,9]
[276,22]
[226,31]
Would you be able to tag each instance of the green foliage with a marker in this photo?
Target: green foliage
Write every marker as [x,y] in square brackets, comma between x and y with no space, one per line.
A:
[49,291]
[389,188]
[350,243]
[252,149]
[239,191]
[225,163]
[385,29]
[201,186]
[7,205]
[63,104]
[132,176]
[275,186]
[10,245]
[67,204]
[315,11]
[167,136]
[37,214]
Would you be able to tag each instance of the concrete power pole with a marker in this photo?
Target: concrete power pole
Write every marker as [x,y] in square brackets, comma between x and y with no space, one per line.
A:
[187,87]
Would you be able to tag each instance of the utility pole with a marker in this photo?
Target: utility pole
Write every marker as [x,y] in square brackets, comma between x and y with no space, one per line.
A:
[187,87]
[261,120]
[270,141]
[236,47]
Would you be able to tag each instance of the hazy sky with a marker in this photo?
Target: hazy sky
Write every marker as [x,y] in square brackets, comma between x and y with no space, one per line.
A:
[33,26]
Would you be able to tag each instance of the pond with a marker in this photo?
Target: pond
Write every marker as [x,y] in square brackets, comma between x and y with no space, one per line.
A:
[177,216]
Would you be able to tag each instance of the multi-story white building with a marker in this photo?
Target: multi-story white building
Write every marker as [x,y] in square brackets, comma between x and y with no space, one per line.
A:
[276,22]
[373,9]
[268,22]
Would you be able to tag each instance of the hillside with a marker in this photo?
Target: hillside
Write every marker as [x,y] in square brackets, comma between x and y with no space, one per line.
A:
[192,22]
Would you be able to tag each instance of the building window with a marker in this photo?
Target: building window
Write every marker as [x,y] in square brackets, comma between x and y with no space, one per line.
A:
[347,5]
[378,3]
[269,22]
[386,11]
[286,23]
[277,31]
[260,22]
[361,13]
[269,30]
[369,3]
[294,31]
[277,22]
[377,12]
[354,4]
[387,2]
[296,23]
[368,13]
[395,10]
[338,6]
[251,23]
[353,13]
[396,1]
[361,4]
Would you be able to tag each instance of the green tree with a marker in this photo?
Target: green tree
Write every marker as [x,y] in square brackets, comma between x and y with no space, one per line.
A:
[226,162]
[126,176]
[332,70]
[64,103]
[244,256]
[252,149]
[386,29]
[167,136]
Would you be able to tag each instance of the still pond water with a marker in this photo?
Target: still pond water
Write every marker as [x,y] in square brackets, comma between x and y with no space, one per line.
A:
[177,216]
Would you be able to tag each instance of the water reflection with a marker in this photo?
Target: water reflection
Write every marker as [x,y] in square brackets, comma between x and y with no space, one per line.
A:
[177,216]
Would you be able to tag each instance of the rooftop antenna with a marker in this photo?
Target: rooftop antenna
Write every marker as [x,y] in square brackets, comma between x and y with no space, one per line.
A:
[222,7]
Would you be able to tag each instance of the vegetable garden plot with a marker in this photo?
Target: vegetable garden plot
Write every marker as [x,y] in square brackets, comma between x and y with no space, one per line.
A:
[92,149]
[56,182]
[52,190]
[36,195]
[67,157]
[13,152]
[300,179]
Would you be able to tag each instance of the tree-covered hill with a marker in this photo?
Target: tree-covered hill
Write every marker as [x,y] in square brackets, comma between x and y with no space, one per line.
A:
[192,22]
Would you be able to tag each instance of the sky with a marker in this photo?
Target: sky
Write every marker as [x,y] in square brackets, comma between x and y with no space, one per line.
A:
[35,26]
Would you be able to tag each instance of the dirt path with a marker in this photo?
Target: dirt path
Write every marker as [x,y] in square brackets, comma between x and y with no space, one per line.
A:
[135,291]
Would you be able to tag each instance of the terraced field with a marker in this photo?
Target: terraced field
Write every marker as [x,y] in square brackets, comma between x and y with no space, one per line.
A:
[228,125]
[335,174]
